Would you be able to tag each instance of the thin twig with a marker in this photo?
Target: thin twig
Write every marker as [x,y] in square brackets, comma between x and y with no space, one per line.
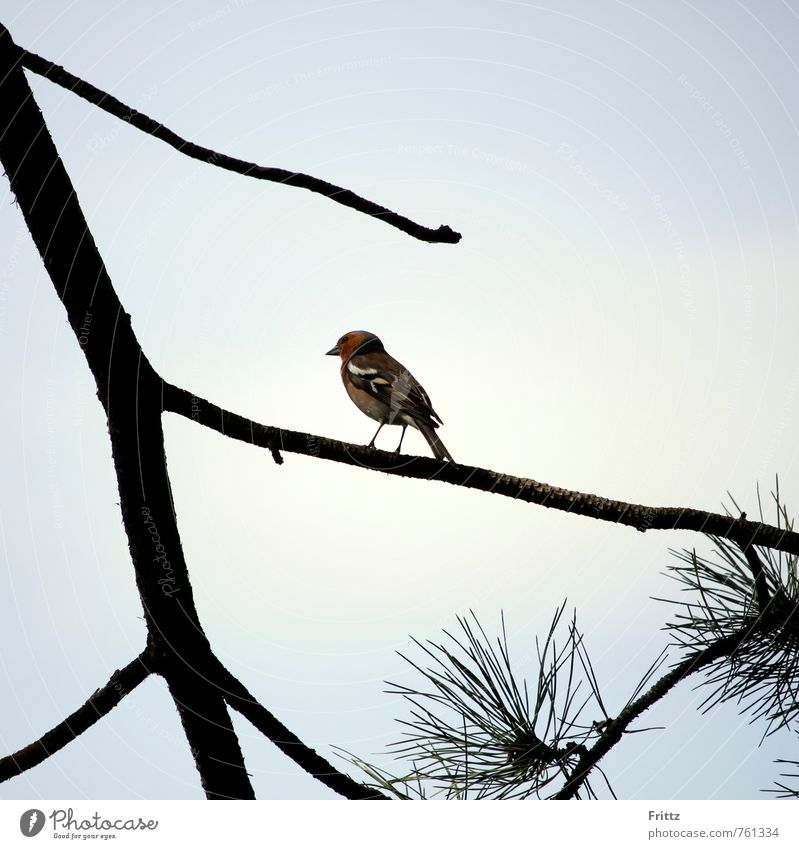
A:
[103,100]
[100,703]
[639,516]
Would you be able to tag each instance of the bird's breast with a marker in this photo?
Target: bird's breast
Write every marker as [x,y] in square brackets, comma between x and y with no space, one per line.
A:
[367,403]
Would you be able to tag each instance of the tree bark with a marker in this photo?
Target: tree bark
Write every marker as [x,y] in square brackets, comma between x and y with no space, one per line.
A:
[130,392]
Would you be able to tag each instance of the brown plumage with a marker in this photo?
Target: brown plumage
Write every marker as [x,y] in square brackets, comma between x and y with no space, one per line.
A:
[385,390]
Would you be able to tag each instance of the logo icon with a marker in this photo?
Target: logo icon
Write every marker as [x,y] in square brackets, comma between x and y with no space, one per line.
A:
[31,822]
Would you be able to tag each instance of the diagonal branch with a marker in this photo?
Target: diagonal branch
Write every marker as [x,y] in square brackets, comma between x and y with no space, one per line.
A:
[98,97]
[638,516]
[130,392]
[241,700]
[614,729]
[100,703]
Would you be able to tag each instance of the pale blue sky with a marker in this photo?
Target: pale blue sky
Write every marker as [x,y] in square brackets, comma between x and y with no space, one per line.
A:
[619,318]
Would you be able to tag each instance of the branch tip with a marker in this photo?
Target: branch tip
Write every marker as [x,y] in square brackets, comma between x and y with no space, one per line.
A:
[99,704]
[103,100]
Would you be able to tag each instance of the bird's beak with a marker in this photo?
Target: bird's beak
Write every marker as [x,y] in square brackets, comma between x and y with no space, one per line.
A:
[334,351]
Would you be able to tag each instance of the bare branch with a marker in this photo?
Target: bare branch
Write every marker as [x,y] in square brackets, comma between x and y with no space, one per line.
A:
[638,516]
[130,392]
[210,734]
[60,76]
[100,703]
[241,700]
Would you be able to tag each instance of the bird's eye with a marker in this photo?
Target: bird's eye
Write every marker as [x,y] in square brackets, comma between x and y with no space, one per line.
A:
[344,339]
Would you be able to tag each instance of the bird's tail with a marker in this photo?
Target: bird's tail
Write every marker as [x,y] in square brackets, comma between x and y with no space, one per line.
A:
[439,449]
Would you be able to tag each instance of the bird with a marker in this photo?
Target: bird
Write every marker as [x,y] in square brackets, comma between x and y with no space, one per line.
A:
[385,390]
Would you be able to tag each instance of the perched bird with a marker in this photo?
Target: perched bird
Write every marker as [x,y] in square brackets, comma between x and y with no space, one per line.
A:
[385,390]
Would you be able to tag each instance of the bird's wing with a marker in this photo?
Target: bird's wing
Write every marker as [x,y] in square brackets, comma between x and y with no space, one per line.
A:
[385,378]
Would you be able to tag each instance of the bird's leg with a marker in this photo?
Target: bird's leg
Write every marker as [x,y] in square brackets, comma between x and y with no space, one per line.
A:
[404,428]
[372,443]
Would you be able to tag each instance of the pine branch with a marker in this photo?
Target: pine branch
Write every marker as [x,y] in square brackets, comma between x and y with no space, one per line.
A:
[739,586]
[476,731]
[785,791]
[613,730]
[98,705]
[103,100]
[638,516]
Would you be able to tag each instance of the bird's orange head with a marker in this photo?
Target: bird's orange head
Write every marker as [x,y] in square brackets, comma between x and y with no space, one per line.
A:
[355,341]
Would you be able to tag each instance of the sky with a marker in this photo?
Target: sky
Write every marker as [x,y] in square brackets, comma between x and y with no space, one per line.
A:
[619,318]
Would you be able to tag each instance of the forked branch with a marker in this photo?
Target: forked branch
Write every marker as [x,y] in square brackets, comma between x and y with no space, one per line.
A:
[130,391]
